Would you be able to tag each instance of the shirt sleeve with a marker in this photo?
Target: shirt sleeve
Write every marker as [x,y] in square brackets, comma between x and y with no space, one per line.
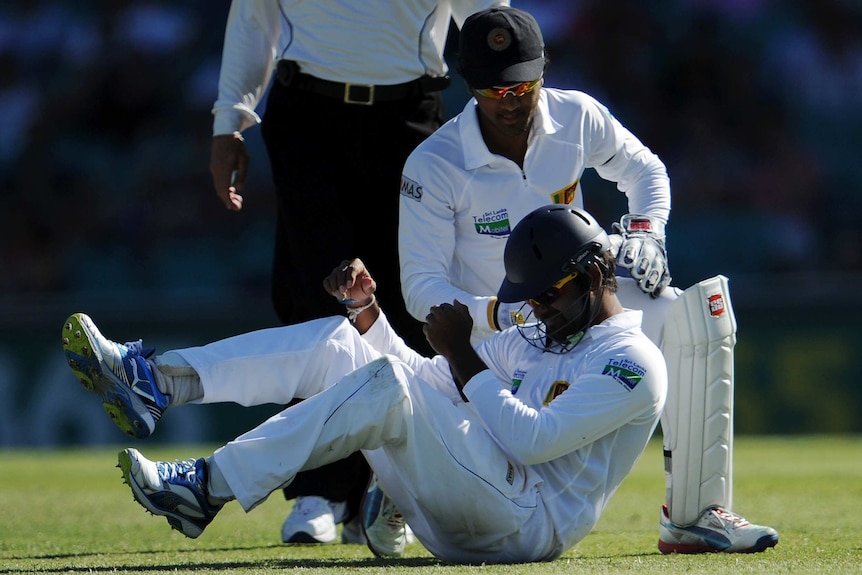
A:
[249,52]
[595,404]
[434,371]
[619,156]
[461,9]
[426,240]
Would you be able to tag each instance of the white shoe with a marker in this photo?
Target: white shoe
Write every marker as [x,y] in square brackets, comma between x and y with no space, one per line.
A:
[386,532]
[313,520]
[175,490]
[716,530]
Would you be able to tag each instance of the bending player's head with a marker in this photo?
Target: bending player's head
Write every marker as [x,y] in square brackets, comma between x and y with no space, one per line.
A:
[502,59]
[500,46]
[558,260]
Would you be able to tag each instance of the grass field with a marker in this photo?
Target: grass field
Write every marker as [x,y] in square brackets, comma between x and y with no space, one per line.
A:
[68,512]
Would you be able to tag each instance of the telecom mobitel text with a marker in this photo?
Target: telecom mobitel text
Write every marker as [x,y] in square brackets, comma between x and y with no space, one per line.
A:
[494,223]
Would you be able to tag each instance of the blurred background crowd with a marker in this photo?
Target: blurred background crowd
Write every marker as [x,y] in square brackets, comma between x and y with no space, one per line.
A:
[754,105]
[105,128]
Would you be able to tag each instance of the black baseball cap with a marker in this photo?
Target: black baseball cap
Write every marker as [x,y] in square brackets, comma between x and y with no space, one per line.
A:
[499,47]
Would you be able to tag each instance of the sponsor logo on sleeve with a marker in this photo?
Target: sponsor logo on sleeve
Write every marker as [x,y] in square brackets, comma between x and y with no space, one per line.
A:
[625,371]
[411,189]
[556,389]
[494,223]
[566,195]
[517,378]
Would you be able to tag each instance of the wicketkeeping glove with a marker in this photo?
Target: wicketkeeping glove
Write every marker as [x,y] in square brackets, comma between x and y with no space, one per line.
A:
[639,247]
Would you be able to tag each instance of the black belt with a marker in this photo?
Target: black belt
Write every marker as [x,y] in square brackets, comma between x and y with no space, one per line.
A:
[288,74]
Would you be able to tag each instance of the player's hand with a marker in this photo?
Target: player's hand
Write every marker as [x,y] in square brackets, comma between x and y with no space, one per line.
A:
[229,166]
[448,327]
[639,247]
[350,282]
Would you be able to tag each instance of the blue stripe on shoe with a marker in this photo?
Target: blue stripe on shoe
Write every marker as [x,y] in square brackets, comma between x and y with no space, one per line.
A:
[711,537]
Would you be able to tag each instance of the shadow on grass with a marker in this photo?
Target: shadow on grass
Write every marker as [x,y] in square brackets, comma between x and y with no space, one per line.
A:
[371,562]
[143,552]
[308,563]
[639,554]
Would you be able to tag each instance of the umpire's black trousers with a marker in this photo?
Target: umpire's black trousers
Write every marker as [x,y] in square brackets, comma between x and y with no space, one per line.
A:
[336,169]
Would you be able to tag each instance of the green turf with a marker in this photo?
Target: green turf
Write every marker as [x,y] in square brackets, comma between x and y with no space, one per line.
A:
[68,512]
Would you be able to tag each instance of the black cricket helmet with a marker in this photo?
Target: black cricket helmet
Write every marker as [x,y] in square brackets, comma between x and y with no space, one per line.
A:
[550,243]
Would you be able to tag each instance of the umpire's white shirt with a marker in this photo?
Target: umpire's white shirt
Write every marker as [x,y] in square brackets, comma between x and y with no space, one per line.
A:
[459,201]
[365,42]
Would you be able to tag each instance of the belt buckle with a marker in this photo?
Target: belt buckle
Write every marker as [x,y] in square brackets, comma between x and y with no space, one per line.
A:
[348,99]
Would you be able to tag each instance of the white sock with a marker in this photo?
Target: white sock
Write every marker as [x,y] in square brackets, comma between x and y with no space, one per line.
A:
[218,491]
[176,378]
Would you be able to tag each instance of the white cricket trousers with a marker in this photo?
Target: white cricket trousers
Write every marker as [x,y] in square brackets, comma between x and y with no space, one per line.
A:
[463,498]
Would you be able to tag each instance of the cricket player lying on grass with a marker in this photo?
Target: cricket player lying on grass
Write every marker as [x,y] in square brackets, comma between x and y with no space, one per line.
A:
[508,452]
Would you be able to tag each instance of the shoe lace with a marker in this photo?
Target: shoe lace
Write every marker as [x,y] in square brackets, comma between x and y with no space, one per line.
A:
[178,470]
[729,517]
[137,348]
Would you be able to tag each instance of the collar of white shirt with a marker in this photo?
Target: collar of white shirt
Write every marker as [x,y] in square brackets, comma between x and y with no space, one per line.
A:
[476,153]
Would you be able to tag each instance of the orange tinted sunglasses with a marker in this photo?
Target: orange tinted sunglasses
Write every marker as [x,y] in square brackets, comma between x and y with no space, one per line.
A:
[517,90]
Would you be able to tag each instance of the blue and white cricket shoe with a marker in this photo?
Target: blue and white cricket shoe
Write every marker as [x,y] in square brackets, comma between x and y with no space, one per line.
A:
[118,373]
[717,530]
[175,490]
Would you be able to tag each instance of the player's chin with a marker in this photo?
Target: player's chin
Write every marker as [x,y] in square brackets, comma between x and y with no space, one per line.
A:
[557,332]
[512,125]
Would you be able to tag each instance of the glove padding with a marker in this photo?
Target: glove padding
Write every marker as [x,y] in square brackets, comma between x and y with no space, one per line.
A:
[639,247]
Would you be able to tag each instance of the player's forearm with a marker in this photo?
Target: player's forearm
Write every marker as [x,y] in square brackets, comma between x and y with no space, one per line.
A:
[642,176]
[465,363]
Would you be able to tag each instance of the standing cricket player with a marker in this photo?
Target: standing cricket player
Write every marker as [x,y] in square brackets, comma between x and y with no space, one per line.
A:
[518,145]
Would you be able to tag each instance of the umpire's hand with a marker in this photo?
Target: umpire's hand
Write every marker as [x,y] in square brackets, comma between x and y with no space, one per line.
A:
[229,166]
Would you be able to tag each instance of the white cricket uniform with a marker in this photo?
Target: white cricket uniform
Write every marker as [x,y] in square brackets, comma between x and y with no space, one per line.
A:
[520,473]
[459,201]
[369,42]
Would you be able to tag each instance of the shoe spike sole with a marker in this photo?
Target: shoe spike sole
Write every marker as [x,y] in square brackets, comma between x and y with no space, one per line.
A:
[84,360]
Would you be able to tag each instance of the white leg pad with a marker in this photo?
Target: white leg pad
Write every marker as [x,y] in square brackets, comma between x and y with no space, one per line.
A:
[697,422]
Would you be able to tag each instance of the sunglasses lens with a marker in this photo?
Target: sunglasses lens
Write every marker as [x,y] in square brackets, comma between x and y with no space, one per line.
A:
[545,298]
[518,90]
[551,294]
[524,88]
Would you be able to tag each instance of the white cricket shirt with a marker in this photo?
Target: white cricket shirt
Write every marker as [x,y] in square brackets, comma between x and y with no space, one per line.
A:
[576,421]
[459,201]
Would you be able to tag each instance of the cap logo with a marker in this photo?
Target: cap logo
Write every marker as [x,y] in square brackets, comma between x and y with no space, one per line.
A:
[499,39]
